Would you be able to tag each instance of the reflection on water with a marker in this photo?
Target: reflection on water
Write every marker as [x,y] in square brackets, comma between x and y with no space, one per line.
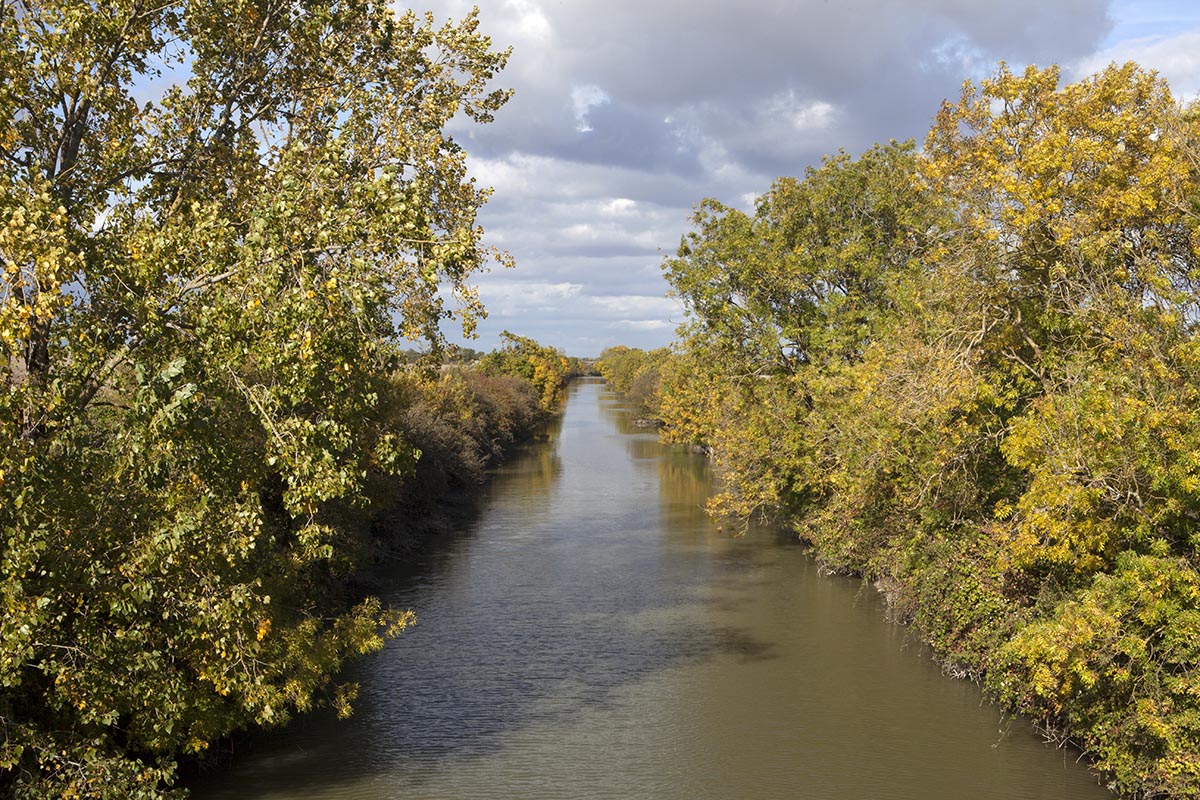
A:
[593,635]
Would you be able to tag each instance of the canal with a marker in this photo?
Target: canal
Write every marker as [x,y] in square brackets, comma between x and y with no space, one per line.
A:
[591,634]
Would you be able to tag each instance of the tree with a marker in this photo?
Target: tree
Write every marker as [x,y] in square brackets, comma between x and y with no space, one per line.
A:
[1076,201]
[196,301]
[784,302]
[637,374]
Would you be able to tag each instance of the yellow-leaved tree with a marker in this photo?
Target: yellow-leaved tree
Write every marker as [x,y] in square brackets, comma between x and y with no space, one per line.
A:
[1082,201]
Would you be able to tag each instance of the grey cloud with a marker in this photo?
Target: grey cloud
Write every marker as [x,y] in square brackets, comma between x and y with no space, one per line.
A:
[600,249]
[1031,32]
[626,136]
[660,103]
[669,53]
[617,135]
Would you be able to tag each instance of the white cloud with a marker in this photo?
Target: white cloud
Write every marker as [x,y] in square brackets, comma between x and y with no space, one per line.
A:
[583,99]
[506,175]
[1176,58]
[619,207]
[535,292]
[813,116]
[581,232]
[803,116]
[640,306]
[642,325]
[517,298]
[528,21]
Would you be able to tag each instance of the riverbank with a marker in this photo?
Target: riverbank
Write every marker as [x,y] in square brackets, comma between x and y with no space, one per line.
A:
[967,371]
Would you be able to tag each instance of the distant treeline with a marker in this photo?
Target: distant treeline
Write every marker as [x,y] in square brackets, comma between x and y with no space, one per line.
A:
[637,374]
[971,374]
[452,354]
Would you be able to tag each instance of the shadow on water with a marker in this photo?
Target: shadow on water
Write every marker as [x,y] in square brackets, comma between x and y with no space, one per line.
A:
[444,720]
[459,513]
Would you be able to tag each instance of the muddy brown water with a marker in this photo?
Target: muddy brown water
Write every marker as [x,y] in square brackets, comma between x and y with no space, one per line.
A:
[591,634]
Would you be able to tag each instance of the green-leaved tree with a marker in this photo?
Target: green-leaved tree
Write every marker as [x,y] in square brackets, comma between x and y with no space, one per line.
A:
[198,285]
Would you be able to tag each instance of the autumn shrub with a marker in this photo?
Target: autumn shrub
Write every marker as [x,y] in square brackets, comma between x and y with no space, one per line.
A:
[1116,667]
[507,408]
[460,421]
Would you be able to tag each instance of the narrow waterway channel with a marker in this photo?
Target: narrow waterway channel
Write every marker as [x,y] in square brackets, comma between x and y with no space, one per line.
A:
[593,635]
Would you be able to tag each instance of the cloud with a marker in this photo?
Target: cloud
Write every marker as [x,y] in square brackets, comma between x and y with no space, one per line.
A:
[583,98]
[528,21]
[517,298]
[1176,58]
[619,207]
[641,306]
[652,86]
[627,113]
[642,325]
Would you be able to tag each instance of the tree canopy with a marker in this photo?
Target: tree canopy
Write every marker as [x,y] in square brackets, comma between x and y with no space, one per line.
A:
[544,367]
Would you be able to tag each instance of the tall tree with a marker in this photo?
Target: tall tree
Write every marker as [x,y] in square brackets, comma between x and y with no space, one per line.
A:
[782,302]
[1075,204]
[196,294]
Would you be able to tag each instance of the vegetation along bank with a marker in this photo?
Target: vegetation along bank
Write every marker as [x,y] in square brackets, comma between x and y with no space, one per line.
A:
[203,403]
[967,373]
[971,374]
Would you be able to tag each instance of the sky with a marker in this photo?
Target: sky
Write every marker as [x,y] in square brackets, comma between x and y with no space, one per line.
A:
[627,113]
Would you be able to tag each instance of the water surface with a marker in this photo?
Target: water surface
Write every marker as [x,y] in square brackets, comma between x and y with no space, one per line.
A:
[593,635]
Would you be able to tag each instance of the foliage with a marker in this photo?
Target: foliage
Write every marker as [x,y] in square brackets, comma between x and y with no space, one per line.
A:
[544,367]
[197,300]
[784,303]
[1078,197]
[1116,665]
[461,420]
[578,367]
[969,375]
